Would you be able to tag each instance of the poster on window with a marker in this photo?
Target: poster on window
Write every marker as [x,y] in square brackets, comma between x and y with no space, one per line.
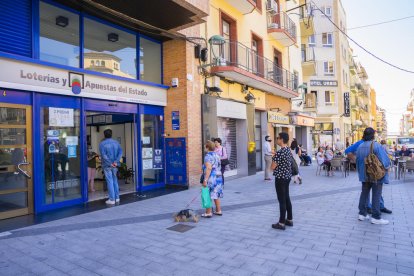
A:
[146,153]
[227,132]
[157,159]
[61,117]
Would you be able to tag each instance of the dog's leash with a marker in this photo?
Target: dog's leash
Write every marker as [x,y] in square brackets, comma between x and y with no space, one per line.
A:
[188,205]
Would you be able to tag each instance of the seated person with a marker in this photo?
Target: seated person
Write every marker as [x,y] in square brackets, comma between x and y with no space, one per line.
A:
[405,152]
[329,155]
[321,159]
[307,160]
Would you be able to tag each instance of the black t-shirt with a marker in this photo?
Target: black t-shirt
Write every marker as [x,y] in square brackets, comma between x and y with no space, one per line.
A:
[283,158]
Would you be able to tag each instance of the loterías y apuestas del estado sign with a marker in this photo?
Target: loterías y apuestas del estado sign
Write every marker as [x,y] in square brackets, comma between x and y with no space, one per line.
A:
[47,79]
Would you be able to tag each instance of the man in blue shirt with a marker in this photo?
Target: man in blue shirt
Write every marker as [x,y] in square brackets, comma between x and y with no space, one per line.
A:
[351,150]
[111,153]
[362,152]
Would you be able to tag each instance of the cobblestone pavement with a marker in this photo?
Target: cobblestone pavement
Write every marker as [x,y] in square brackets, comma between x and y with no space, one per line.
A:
[132,239]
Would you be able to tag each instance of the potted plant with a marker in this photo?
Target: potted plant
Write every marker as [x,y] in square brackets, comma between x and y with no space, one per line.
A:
[125,172]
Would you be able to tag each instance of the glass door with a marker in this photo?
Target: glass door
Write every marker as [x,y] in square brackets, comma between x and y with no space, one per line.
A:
[59,161]
[16,196]
[152,147]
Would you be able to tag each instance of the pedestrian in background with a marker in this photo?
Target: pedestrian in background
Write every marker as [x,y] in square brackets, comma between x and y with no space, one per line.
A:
[367,184]
[268,153]
[222,153]
[91,156]
[212,178]
[282,165]
[329,155]
[296,152]
[111,153]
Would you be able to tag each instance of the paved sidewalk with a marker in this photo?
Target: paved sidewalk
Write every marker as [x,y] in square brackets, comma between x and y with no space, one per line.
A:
[132,239]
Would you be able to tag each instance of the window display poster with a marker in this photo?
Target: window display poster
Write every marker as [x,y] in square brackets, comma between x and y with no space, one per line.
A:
[147,164]
[146,153]
[61,117]
[157,159]
[146,140]
[71,140]
[72,151]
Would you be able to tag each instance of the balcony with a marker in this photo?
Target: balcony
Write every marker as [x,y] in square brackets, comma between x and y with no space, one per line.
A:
[241,64]
[306,20]
[308,61]
[281,28]
[243,6]
[354,89]
[352,69]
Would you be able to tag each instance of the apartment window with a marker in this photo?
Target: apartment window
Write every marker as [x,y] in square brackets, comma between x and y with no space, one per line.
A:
[229,32]
[58,43]
[327,10]
[327,39]
[311,41]
[328,68]
[257,50]
[329,97]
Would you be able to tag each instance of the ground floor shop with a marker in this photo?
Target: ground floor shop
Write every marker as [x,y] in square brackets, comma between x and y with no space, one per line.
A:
[304,125]
[331,133]
[232,122]
[47,131]
[277,123]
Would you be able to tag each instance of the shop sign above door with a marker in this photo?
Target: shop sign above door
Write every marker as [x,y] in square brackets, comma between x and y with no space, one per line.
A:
[324,83]
[40,78]
[302,120]
[277,118]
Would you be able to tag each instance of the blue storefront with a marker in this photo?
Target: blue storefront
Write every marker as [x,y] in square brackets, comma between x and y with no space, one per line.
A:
[65,77]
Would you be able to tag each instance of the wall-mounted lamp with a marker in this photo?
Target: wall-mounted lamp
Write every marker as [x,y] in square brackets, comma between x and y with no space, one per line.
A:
[245,89]
[62,21]
[113,37]
[250,97]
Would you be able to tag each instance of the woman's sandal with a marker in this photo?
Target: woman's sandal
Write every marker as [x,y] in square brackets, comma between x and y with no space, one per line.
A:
[205,215]
[218,213]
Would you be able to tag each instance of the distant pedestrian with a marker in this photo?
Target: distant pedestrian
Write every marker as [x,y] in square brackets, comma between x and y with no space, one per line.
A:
[282,164]
[91,156]
[222,153]
[367,184]
[212,178]
[111,153]
[268,153]
[296,152]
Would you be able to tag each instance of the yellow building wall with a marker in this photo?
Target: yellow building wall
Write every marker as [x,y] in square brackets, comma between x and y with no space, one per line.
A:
[373,110]
[234,91]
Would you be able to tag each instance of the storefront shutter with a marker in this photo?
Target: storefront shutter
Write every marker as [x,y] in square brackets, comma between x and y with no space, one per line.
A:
[228,134]
[16,27]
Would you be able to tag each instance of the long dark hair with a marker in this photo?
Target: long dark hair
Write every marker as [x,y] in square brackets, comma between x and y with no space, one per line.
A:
[294,145]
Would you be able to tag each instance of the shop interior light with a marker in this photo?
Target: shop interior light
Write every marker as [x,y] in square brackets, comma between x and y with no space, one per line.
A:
[113,37]
[62,21]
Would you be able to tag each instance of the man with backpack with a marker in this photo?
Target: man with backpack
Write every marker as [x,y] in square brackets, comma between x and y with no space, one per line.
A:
[372,164]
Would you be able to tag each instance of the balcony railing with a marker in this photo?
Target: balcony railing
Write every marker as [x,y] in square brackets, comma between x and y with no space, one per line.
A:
[308,54]
[281,21]
[305,11]
[310,100]
[233,53]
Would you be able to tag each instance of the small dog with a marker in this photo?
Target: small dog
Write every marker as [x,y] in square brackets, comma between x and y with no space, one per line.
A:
[186,215]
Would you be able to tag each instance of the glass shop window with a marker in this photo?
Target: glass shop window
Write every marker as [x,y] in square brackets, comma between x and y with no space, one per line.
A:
[150,61]
[59,36]
[110,46]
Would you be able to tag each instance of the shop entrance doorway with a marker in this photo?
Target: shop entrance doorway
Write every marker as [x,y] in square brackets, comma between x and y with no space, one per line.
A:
[123,131]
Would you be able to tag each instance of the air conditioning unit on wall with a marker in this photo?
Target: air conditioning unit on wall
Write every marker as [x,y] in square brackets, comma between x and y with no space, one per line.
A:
[271,6]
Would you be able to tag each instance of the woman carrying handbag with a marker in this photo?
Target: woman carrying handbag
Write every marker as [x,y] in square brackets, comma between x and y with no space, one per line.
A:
[222,153]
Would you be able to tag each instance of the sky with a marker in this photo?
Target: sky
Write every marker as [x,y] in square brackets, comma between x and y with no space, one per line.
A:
[393,42]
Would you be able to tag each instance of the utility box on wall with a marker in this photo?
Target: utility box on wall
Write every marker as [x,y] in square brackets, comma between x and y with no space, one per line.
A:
[176,161]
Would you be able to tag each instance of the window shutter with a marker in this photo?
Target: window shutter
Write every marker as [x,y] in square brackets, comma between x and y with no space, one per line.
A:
[16,27]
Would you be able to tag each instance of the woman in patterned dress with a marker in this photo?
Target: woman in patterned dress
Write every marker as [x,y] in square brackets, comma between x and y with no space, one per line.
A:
[212,178]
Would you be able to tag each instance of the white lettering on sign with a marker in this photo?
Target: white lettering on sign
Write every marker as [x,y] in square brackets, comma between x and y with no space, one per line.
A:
[47,79]
[323,83]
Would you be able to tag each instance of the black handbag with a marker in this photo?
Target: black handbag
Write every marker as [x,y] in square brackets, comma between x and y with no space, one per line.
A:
[224,162]
[294,166]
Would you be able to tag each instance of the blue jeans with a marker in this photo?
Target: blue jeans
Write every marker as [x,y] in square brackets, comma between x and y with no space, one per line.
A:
[376,195]
[112,182]
[381,203]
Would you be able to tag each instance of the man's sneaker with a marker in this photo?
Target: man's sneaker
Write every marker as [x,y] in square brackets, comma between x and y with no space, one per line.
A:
[379,221]
[362,218]
[385,210]
[110,202]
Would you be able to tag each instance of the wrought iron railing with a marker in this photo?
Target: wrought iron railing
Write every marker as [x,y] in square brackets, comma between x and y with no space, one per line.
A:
[281,21]
[234,53]
[305,11]
[308,54]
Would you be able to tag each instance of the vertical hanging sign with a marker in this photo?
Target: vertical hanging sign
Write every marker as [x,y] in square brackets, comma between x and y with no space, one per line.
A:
[347,108]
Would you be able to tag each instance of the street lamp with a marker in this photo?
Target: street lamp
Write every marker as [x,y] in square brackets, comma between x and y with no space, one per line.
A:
[217,41]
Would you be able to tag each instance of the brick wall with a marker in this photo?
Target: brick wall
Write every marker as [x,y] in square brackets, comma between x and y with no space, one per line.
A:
[179,62]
